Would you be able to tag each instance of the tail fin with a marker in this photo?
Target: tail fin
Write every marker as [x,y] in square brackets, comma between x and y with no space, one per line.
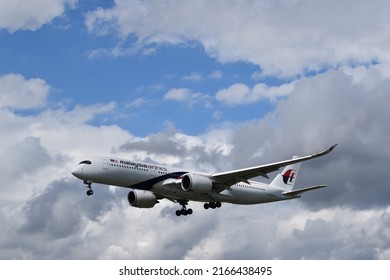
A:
[286,179]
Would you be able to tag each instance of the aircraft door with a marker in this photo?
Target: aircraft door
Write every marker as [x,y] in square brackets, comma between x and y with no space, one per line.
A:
[105,164]
[153,172]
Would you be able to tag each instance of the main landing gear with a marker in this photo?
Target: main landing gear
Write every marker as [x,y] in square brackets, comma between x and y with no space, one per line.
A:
[89,188]
[212,205]
[184,211]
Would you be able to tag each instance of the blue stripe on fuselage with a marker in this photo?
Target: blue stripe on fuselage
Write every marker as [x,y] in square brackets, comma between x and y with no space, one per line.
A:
[148,184]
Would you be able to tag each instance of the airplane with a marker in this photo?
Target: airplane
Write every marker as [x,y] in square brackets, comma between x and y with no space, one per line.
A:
[149,183]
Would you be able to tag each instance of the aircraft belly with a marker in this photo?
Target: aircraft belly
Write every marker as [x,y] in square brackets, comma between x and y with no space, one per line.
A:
[176,193]
[240,195]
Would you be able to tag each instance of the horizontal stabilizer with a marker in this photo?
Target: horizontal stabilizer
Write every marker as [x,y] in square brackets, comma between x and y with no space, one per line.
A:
[300,191]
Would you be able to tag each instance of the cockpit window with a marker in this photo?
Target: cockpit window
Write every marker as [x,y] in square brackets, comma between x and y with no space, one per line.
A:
[85,162]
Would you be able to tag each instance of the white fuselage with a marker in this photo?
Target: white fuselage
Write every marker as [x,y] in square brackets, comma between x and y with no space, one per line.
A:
[153,178]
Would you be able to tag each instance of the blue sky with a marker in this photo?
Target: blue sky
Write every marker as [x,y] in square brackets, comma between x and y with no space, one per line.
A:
[204,85]
[61,52]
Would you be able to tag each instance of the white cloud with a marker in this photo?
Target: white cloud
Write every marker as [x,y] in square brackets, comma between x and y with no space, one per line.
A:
[178,94]
[171,147]
[20,162]
[140,102]
[47,142]
[185,95]
[46,214]
[295,233]
[217,74]
[284,38]
[30,14]
[238,94]
[235,94]
[17,92]
[193,77]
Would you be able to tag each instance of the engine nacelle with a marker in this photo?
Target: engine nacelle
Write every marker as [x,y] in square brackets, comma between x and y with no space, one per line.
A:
[196,183]
[141,199]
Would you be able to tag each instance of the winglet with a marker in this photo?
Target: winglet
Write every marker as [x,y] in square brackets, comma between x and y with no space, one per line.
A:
[327,151]
[330,149]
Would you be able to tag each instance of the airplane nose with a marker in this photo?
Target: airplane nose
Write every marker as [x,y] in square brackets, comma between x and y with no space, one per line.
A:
[77,171]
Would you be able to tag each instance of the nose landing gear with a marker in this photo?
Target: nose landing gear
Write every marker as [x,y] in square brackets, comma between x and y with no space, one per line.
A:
[89,188]
[89,192]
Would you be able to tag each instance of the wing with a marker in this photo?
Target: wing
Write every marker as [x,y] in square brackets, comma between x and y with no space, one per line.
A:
[226,179]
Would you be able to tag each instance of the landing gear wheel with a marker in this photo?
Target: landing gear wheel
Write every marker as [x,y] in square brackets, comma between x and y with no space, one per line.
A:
[212,205]
[184,211]
[89,192]
[89,188]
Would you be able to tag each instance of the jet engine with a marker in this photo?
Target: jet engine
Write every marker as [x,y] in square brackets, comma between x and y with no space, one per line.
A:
[196,183]
[142,199]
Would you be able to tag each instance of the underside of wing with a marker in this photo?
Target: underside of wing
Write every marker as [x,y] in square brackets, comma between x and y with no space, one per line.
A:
[171,182]
[227,179]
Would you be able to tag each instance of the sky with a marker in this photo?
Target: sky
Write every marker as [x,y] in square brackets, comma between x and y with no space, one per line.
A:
[206,86]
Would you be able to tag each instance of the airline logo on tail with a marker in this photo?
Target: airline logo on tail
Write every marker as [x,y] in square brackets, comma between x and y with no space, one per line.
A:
[289,176]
